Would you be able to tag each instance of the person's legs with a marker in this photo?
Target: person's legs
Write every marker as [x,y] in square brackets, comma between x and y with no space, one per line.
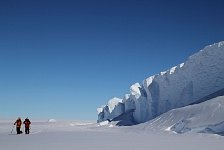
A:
[18,130]
[27,130]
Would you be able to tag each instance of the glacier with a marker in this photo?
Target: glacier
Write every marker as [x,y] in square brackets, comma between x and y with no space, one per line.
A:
[198,79]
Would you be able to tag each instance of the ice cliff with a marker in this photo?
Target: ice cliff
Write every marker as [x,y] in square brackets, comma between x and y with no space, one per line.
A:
[190,82]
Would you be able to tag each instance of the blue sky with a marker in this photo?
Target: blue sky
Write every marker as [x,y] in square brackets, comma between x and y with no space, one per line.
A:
[63,59]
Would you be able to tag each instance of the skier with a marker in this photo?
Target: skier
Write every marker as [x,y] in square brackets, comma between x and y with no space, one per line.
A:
[27,125]
[18,124]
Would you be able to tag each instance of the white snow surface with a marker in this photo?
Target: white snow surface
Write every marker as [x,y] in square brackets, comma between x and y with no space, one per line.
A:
[52,120]
[201,75]
[206,117]
[70,135]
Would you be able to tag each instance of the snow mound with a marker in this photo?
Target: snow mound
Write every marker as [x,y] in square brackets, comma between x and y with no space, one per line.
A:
[52,120]
[103,123]
[206,117]
[182,85]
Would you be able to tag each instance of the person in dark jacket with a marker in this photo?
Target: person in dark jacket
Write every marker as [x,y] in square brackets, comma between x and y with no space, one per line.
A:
[27,125]
[18,124]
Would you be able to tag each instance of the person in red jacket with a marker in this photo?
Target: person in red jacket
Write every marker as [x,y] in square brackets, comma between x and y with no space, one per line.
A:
[27,125]
[18,124]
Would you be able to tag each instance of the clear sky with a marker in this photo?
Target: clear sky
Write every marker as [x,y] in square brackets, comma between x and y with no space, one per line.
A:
[63,59]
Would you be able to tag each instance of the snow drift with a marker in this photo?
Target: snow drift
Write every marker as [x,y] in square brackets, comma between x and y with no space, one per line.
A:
[206,117]
[191,82]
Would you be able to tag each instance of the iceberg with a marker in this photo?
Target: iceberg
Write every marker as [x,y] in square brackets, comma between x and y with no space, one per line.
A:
[182,85]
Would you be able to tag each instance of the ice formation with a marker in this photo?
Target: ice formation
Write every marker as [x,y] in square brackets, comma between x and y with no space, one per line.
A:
[190,82]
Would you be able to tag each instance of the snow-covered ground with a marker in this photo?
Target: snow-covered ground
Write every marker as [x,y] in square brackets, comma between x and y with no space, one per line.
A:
[205,117]
[67,135]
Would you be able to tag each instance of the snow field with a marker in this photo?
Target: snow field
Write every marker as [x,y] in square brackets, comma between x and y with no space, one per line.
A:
[64,136]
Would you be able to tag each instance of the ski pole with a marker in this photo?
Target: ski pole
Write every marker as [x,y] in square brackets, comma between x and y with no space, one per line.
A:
[12,128]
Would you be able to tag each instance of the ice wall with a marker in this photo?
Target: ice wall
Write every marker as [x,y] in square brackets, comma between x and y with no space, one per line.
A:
[201,75]
[113,109]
